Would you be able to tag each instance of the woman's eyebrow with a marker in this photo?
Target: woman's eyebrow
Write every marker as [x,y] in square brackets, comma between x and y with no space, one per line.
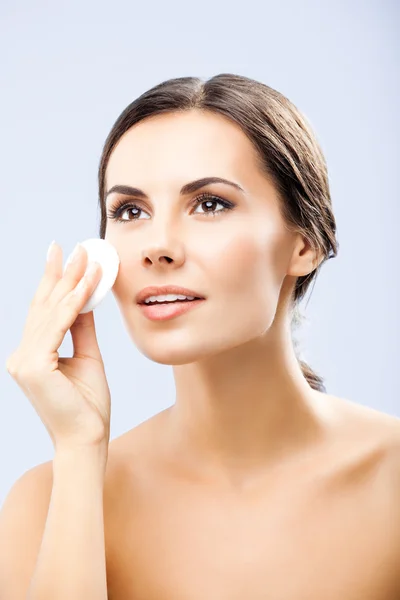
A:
[188,188]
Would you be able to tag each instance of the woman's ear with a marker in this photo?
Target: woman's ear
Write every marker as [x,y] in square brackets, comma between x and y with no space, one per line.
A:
[305,257]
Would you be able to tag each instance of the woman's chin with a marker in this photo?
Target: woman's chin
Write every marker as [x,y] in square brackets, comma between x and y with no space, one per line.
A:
[170,356]
[171,353]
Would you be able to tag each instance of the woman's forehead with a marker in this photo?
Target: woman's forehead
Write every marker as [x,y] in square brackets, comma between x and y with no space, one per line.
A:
[191,145]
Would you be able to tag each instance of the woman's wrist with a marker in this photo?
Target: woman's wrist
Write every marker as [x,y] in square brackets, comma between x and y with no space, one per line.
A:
[81,456]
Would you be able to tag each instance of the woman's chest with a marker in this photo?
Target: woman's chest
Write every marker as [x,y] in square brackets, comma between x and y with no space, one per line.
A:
[327,539]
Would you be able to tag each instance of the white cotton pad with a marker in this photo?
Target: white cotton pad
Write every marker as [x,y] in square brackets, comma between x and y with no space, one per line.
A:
[101,251]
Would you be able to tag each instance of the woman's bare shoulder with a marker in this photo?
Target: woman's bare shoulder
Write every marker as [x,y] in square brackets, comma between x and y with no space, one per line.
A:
[134,455]
[369,431]
[379,424]
[141,440]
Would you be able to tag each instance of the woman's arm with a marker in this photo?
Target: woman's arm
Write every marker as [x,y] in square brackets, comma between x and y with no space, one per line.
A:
[71,561]
[52,530]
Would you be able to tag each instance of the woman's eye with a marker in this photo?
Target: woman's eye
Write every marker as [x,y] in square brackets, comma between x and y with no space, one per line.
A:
[209,201]
[129,212]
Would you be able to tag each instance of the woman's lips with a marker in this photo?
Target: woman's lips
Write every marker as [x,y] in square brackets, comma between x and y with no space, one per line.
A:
[169,310]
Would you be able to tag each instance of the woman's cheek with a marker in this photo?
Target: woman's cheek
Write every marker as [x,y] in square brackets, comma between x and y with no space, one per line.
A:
[125,287]
[236,263]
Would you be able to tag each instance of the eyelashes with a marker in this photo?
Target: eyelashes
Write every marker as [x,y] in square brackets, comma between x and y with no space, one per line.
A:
[118,209]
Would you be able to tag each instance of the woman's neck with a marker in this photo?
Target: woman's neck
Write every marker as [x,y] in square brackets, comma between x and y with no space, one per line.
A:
[240,412]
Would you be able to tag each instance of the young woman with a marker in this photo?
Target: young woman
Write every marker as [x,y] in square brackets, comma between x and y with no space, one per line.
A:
[256,483]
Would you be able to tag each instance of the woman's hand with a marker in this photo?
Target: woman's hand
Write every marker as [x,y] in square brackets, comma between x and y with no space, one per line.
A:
[71,395]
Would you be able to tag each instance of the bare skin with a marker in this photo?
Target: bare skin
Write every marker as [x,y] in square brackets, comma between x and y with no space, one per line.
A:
[251,485]
[324,524]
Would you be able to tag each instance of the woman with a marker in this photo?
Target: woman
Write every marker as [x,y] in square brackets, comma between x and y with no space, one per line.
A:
[256,483]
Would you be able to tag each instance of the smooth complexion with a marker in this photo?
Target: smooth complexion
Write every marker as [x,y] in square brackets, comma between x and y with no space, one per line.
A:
[242,402]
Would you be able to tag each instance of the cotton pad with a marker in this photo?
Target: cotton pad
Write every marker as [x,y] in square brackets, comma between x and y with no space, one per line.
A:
[101,251]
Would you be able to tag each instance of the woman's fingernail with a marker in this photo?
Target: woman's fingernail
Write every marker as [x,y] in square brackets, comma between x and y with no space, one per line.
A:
[75,252]
[50,250]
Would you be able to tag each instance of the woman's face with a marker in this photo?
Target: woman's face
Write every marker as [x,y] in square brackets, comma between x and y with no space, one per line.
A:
[236,258]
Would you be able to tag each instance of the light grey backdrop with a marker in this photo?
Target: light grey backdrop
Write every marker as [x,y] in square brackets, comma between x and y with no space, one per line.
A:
[69,69]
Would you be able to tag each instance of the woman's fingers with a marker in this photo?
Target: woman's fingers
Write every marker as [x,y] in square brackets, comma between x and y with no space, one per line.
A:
[55,283]
[84,338]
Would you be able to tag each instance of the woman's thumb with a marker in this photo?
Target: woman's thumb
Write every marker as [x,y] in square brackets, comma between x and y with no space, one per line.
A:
[84,337]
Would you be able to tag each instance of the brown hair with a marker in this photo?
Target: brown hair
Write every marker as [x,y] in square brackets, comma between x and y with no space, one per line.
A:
[288,153]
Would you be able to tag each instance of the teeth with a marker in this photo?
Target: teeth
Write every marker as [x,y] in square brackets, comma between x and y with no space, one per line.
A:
[167,298]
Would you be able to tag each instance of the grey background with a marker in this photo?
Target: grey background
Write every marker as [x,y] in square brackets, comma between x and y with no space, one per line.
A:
[69,69]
